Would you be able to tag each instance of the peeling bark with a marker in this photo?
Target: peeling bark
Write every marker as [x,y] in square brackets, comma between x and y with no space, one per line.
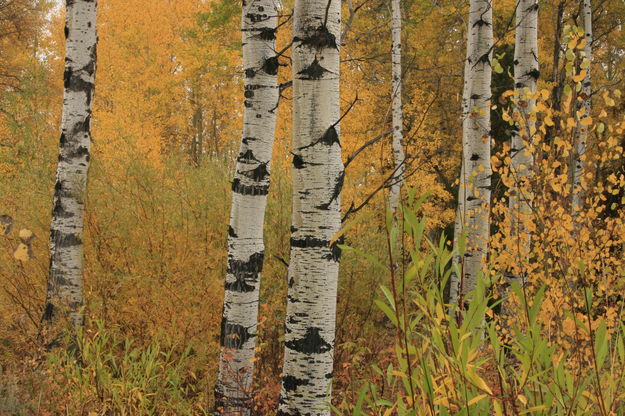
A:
[65,284]
[317,183]
[249,199]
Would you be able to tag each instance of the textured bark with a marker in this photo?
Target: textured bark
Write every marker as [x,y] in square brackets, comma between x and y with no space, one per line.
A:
[582,131]
[526,73]
[249,198]
[65,285]
[396,90]
[475,182]
[317,182]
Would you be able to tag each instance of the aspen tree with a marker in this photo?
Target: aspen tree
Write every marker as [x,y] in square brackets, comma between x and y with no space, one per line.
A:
[584,109]
[526,73]
[317,181]
[475,182]
[246,250]
[397,116]
[65,284]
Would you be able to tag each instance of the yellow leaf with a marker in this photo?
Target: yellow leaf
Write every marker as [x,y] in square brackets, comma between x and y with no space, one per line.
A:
[477,399]
[26,235]
[389,412]
[586,121]
[22,253]
[580,77]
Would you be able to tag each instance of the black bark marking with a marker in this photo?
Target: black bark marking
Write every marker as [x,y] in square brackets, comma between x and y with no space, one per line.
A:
[313,71]
[311,343]
[335,250]
[62,239]
[534,73]
[338,186]
[259,173]
[234,335]
[256,17]
[298,162]
[271,65]
[244,272]
[329,138]
[309,242]
[59,212]
[475,157]
[250,73]
[247,157]
[247,140]
[231,232]
[249,190]
[291,383]
[319,38]
[481,22]
[267,33]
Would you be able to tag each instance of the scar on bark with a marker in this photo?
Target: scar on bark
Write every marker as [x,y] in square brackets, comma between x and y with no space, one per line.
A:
[319,38]
[313,71]
[338,186]
[310,343]
[234,335]
[249,190]
[244,271]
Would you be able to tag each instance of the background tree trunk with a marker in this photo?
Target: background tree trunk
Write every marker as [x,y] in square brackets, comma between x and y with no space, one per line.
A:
[582,131]
[317,182]
[396,91]
[65,285]
[246,250]
[526,73]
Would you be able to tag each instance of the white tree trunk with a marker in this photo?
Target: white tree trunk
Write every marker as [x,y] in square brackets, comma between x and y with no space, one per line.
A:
[317,182]
[526,73]
[249,198]
[582,131]
[475,179]
[475,182]
[396,91]
[65,285]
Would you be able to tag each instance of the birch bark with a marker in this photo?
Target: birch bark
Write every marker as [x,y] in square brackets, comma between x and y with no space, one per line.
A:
[249,198]
[475,182]
[585,106]
[65,284]
[396,91]
[317,182]
[526,73]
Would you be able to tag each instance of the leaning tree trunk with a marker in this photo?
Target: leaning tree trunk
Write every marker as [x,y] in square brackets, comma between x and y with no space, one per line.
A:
[317,182]
[65,285]
[475,182]
[526,73]
[396,91]
[582,130]
[250,187]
